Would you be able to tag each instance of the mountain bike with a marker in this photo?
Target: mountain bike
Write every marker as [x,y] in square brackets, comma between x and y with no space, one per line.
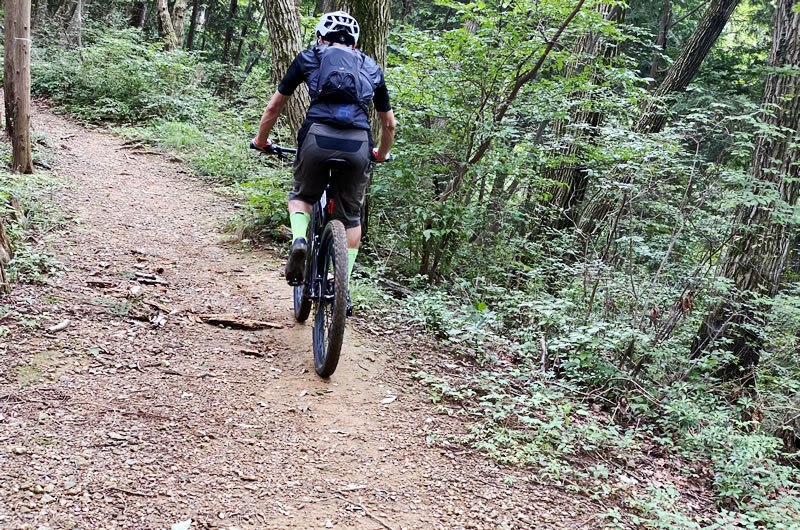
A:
[324,287]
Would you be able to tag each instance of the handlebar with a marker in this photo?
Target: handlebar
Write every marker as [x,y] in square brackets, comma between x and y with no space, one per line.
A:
[284,152]
[271,149]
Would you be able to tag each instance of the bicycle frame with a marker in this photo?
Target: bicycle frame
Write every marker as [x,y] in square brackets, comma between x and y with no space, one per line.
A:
[321,214]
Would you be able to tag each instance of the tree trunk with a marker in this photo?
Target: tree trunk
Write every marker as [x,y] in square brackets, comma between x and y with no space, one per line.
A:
[687,64]
[283,25]
[226,50]
[245,27]
[75,27]
[6,253]
[571,173]
[208,12]
[373,17]
[38,12]
[166,30]
[17,82]
[193,24]
[139,14]
[664,22]
[653,117]
[757,255]
[253,59]
[178,18]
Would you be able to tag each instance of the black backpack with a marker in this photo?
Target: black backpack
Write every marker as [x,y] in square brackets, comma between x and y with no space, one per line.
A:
[340,78]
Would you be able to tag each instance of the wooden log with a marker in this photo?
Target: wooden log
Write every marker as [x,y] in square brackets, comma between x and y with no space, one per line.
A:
[18,212]
[235,321]
[6,253]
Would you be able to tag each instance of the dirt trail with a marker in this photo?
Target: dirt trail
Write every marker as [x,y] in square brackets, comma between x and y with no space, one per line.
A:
[118,423]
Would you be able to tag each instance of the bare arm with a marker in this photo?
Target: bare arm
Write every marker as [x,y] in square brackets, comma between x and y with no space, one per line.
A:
[271,113]
[388,126]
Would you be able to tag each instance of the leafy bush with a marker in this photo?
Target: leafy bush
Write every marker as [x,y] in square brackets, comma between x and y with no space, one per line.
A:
[30,263]
[120,78]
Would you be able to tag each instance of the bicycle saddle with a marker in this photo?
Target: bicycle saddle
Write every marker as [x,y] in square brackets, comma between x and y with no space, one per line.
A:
[336,163]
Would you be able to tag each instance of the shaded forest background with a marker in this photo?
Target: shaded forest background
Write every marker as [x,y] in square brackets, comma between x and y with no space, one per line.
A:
[593,206]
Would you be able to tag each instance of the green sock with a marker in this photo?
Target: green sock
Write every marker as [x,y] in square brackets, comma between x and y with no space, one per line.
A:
[351,261]
[299,222]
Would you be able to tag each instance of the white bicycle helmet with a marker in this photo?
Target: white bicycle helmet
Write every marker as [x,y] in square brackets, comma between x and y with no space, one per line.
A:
[338,21]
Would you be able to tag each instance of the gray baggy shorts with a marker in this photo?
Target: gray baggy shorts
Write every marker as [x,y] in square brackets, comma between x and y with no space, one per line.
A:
[310,177]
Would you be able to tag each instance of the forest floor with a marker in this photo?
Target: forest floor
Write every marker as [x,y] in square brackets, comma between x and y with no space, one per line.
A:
[115,422]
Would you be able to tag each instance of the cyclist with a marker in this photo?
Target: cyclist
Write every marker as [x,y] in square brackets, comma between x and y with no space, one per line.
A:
[342,80]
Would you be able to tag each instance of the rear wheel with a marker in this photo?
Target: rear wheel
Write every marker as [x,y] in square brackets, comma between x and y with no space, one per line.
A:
[330,310]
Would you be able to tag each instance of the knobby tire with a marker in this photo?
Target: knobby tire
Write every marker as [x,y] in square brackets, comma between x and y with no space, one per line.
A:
[330,315]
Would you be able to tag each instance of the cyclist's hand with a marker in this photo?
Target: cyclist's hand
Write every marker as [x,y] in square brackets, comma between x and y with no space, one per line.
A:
[267,149]
[376,159]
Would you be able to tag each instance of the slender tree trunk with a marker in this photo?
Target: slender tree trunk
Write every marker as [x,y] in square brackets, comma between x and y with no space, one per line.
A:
[139,14]
[75,27]
[660,45]
[373,17]
[226,50]
[193,25]
[653,117]
[253,59]
[688,62]
[283,25]
[245,27]
[582,127]
[166,29]
[178,18]
[17,82]
[757,255]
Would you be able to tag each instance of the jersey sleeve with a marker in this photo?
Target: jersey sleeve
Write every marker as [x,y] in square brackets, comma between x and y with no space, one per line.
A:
[294,76]
[381,98]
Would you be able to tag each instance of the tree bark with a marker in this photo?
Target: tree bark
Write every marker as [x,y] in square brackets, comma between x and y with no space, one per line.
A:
[687,64]
[193,24]
[75,27]
[166,30]
[653,117]
[664,23]
[571,173]
[226,50]
[178,18]
[138,14]
[373,17]
[283,25]
[17,82]
[245,27]
[757,255]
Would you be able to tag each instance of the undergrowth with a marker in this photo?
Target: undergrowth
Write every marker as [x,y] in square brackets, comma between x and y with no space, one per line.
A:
[31,262]
[584,424]
[610,396]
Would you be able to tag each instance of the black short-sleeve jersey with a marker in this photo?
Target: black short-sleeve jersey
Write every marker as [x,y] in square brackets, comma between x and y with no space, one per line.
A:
[343,115]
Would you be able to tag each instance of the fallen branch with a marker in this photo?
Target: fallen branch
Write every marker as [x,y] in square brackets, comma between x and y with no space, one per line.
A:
[363,509]
[237,322]
[130,492]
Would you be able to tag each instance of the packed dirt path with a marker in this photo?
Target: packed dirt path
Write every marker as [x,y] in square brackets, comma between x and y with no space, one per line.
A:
[116,422]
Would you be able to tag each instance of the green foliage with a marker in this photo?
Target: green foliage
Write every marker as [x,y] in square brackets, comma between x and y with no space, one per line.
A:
[120,78]
[30,262]
[498,270]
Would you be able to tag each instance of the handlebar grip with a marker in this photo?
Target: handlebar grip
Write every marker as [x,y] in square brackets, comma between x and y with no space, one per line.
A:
[268,149]
[374,157]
